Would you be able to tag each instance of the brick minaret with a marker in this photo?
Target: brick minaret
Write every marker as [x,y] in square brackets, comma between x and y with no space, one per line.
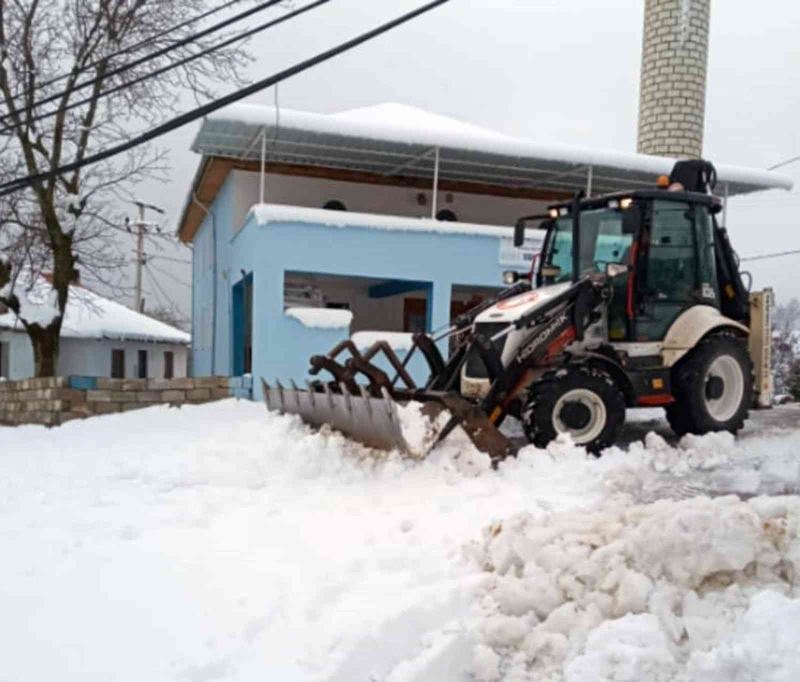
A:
[673,81]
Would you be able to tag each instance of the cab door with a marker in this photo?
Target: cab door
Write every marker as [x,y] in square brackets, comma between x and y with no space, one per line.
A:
[676,267]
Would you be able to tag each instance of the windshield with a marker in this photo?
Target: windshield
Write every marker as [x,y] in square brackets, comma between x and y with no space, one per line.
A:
[601,242]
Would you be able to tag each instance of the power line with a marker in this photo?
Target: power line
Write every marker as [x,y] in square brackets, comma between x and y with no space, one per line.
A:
[170,258]
[167,302]
[174,65]
[135,46]
[200,112]
[772,255]
[784,163]
[82,85]
[165,273]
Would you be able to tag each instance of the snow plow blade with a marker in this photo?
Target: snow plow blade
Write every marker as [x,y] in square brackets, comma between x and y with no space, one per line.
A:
[412,422]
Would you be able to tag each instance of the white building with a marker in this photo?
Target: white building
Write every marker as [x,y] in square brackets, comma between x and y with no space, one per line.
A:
[99,338]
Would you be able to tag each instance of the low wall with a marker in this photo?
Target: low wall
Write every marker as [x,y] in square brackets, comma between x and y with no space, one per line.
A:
[56,400]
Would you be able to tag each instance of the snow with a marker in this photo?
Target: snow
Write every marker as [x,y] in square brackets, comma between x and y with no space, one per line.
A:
[397,340]
[407,125]
[321,318]
[38,303]
[265,214]
[88,315]
[222,542]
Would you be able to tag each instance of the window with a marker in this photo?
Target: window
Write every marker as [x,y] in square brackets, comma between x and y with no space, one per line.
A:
[117,363]
[602,241]
[671,263]
[141,364]
[169,364]
[679,269]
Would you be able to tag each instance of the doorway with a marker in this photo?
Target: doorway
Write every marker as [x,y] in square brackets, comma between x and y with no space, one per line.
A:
[243,326]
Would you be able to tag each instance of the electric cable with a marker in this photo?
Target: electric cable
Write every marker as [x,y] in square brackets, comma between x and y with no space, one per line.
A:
[175,64]
[794,159]
[168,274]
[215,105]
[82,85]
[772,255]
[135,46]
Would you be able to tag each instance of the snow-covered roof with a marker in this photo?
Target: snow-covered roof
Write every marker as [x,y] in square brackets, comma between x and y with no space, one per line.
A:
[264,214]
[395,139]
[89,315]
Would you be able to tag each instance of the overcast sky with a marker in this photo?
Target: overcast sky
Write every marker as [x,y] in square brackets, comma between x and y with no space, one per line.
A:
[551,71]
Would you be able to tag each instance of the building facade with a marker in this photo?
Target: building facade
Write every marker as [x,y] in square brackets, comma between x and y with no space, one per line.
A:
[99,338]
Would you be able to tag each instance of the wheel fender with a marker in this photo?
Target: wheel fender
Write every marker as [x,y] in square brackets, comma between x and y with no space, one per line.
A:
[691,326]
[616,371]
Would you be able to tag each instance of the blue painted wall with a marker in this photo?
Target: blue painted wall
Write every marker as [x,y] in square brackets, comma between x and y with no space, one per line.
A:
[282,345]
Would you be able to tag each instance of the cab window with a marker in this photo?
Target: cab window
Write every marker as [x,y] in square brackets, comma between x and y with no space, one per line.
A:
[602,241]
[678,267]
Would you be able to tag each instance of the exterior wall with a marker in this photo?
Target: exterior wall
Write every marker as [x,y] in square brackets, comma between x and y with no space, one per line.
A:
[211,284]
[381,199]
[55,400]
[223,253]
[281,346]
[18,360]
[91,357]
[673,79]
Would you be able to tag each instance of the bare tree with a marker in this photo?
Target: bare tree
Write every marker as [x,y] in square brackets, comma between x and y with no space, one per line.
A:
[67,220]
[786,345]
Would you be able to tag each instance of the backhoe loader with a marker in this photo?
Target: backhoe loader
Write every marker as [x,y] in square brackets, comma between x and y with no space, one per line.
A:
[636,301]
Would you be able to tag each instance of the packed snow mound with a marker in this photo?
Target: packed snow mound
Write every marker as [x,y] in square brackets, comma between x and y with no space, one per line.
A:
[229,543]
[624,591]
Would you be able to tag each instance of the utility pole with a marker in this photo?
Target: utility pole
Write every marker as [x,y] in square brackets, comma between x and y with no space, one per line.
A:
[140,227]
[141,258]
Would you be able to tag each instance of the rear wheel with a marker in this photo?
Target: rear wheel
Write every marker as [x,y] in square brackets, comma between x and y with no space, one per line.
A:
[713,387]
[583,402]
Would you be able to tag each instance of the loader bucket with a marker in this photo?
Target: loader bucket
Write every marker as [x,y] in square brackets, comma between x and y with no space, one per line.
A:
[413,424]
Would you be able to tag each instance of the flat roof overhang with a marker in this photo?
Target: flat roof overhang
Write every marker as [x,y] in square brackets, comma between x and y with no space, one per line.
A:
[380,146]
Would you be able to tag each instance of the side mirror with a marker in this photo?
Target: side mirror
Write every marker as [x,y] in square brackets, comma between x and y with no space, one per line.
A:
[519,232]
[615,269]
[519,227]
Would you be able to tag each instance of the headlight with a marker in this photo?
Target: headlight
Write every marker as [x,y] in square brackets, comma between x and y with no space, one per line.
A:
[510,277]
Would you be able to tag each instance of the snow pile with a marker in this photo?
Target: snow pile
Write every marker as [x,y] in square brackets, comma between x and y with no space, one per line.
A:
[321,318]
[623,591]
[397,340]
[222,542]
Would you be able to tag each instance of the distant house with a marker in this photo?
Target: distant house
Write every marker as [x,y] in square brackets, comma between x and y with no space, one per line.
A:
[100,338]
[311,228]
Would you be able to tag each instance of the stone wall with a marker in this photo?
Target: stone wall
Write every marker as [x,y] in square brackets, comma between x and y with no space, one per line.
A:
[56,400]
[672,93]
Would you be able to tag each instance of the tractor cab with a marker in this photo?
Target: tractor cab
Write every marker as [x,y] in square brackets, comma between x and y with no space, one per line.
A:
[657,247]
[661,248]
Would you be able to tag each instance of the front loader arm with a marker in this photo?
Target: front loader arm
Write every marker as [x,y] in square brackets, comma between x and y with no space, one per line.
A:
[553,328]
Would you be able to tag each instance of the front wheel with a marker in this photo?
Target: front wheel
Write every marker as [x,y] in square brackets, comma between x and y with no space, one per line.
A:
[713,387]
[583,402]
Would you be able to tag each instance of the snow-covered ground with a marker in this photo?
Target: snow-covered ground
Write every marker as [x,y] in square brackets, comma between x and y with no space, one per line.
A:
[219,542]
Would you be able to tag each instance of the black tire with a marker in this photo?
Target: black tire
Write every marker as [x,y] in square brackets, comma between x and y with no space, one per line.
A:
[543,425]
[699,405]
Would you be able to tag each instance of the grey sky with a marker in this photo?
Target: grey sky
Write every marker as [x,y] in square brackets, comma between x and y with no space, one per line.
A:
[551,71]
